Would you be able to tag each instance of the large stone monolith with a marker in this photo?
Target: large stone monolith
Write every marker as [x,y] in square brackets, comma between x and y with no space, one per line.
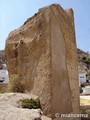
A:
[43,52]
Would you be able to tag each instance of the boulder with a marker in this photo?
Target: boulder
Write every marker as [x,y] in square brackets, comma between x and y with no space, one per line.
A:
[10,110]
[41,51]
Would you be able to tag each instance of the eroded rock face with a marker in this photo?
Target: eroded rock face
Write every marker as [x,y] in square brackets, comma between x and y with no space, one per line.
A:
[10,110]
[41,51]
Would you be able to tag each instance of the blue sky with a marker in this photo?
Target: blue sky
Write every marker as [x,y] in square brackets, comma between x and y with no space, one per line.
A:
[13,13]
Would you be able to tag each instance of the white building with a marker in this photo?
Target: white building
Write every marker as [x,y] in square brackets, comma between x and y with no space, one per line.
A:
[4,78]
[82,77]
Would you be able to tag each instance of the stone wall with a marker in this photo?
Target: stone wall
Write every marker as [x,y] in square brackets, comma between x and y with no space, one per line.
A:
[42,51]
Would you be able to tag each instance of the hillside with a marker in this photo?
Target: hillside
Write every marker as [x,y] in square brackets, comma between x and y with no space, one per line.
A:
[2,58]
[83,60]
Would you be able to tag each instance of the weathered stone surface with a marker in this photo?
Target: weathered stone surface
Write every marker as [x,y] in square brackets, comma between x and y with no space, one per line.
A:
[9,109]
[41,51]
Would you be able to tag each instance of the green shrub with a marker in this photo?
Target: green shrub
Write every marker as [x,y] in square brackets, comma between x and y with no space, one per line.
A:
[88,74]
[87,61]
[15,84]
[84,58]
[30,103]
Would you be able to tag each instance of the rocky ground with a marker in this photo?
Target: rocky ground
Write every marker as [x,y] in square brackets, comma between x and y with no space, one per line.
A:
[11,110]
[85,102]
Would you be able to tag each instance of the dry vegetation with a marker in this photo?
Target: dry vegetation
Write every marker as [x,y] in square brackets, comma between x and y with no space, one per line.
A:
[16,84]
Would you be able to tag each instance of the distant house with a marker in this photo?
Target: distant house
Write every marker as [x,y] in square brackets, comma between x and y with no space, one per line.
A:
[82,76]
[4,78]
